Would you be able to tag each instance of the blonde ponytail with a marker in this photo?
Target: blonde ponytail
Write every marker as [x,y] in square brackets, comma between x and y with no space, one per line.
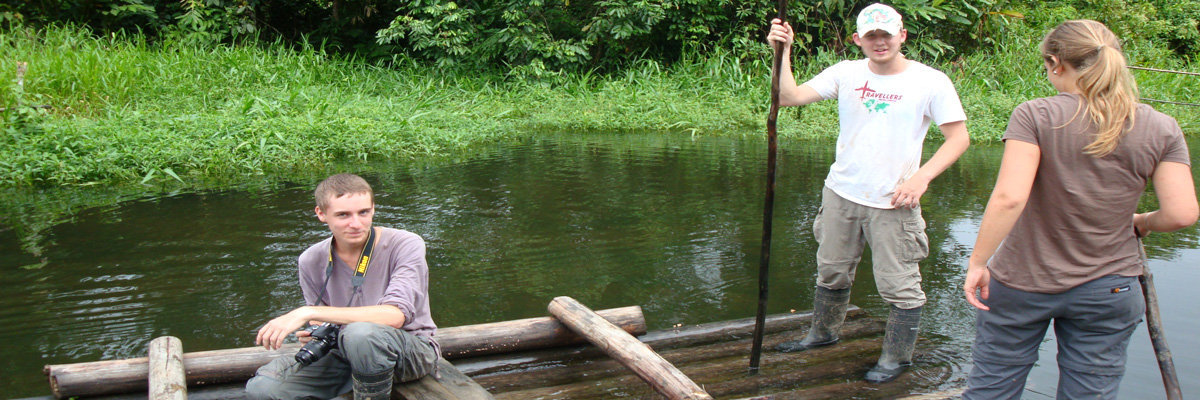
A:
[1108,89]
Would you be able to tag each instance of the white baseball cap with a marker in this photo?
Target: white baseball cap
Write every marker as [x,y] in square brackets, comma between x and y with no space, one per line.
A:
[879,17]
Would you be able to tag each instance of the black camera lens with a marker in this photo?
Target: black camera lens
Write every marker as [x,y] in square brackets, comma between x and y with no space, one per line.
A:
[306,356]
[324,339]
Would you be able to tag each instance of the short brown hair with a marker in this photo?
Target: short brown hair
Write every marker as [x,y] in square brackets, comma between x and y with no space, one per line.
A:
[340,185]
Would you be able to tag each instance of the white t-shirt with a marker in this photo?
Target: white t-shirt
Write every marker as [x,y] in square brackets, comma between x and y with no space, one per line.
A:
[883,120]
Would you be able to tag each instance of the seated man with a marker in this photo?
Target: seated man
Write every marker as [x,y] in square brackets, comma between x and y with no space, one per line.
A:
[371,282]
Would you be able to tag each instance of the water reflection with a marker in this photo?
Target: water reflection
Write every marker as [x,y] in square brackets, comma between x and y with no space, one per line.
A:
[668,223]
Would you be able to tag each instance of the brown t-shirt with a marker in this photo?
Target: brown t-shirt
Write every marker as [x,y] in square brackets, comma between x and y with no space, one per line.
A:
[1077,224]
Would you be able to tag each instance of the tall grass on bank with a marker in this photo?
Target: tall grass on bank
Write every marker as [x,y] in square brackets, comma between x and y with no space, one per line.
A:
[126,111]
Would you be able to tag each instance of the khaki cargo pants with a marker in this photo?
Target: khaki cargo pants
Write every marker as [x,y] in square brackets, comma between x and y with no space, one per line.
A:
[897,239]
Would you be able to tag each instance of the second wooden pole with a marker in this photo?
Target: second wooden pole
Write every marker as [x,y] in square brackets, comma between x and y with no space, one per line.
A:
[623,347]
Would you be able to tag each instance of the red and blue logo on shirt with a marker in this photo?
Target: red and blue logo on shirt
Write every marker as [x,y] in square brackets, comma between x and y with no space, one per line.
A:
[875,101]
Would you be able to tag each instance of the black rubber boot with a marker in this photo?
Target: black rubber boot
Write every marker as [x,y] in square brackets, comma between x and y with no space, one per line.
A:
[829,311]
[898,344]
[373,387]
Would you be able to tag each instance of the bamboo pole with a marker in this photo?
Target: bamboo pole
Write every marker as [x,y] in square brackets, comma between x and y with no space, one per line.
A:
[647,364]
[167,380]
[232,365]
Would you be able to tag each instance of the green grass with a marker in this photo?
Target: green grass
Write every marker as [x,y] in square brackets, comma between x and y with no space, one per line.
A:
[129,112]
[125,111]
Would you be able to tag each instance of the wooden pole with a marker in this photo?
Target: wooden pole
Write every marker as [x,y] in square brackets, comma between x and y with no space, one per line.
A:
[648,365]
[167,380]
[764,263]
[232,365]
[1154,325]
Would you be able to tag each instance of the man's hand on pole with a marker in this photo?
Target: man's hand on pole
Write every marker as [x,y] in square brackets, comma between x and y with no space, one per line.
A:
[781,33]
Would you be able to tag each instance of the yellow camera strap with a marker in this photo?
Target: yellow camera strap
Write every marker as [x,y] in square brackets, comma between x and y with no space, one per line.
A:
[360,270]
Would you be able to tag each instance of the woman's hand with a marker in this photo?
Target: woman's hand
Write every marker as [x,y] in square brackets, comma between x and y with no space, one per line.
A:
[978,278]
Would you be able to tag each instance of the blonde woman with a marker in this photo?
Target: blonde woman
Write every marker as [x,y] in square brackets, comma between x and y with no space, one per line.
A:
[1057,244]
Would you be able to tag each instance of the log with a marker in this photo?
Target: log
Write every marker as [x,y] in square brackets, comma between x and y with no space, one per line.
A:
[167,380]
[942,395]
[527,334]
[450,384]
[647,364]
[232,365]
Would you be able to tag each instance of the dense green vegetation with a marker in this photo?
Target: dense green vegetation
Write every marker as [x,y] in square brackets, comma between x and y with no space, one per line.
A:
[526,36]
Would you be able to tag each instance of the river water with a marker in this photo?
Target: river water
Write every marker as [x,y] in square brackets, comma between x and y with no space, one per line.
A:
[669,223]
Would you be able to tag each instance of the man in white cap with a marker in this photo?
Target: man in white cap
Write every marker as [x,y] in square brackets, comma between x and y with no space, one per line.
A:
[873,191]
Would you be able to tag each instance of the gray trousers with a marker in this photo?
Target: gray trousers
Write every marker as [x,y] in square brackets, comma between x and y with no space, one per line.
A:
[897,239]
[1092,323]
[364,348]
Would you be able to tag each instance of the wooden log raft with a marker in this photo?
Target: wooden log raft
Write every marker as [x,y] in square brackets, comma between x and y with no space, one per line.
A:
[711,354]
[648,365]
[167,380]
[711,364]
[233,365]
[661,340]
[714,356]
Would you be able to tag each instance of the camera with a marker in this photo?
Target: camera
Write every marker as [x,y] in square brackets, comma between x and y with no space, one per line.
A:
[324,339]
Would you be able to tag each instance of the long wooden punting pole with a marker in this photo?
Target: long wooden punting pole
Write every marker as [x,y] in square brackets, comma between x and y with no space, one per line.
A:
[764,264]
[623,347]
[232,365]
[167,380]
[1158,338]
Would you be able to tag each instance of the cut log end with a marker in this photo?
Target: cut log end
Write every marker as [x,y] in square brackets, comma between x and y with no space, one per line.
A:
[167,379]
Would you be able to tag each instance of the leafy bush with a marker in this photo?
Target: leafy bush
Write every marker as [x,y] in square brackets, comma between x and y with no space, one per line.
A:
[1182,29]
[557,34]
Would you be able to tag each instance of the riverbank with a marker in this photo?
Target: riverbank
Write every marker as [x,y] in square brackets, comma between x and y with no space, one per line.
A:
[128,112]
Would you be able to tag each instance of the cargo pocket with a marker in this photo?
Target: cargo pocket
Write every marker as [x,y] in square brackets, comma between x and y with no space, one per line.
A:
[916,243]
[816,228]
[419,361]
